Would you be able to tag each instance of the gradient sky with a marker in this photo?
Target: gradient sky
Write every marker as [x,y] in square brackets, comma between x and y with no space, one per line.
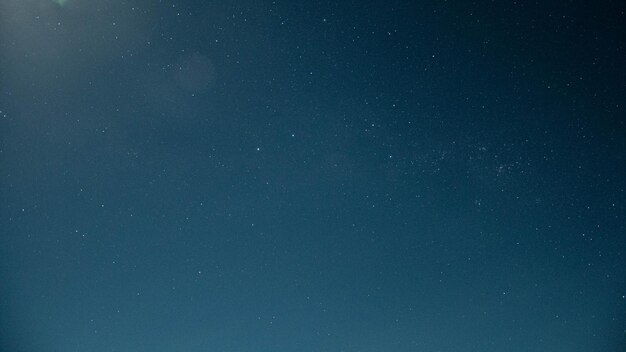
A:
[251,176]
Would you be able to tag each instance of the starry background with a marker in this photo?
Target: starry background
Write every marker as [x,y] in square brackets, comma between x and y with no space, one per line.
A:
[312,176]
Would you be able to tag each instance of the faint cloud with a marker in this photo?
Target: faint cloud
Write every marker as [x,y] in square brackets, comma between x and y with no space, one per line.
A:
[45,39]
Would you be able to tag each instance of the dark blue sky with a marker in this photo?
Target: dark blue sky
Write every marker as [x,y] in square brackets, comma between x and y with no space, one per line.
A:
[258,176]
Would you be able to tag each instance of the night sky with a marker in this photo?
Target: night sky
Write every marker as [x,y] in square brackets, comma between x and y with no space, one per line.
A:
[277,176]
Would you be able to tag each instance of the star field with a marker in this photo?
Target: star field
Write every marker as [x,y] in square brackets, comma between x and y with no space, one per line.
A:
[316,176]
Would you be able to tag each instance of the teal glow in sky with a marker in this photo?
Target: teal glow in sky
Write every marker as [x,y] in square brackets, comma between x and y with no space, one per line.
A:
[356,176]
